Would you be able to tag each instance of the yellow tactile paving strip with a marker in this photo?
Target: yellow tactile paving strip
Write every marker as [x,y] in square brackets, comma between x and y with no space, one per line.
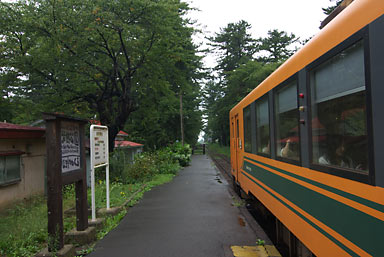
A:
[255,251]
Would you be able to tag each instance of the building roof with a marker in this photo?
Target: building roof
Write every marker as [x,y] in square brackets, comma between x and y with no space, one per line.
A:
[9,130]
[122,133]
[127,144]
[97,122]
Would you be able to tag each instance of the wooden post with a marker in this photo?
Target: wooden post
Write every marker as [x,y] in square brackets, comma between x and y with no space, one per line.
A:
[81,189]
[54,203]
[66,164]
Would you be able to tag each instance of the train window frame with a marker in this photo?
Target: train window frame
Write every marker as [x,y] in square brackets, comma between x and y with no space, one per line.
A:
[265,96]
[283,84]
[369,178]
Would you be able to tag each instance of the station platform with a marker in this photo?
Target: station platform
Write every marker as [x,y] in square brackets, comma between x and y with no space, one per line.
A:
[194,215]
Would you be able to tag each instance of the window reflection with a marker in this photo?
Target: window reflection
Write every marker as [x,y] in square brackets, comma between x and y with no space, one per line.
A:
[262,126]
[247,130]
[287,121]
[339,134]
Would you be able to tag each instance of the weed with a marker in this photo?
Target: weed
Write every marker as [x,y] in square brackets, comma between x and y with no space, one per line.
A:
[260,242]
[238,203]
[23,227]
[216,148]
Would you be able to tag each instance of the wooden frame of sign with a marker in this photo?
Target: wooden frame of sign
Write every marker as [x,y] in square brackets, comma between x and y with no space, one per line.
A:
[66,164]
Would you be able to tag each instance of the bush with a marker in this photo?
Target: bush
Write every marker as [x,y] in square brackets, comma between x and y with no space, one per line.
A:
[146,165]
[166,163]
[143,168]
[182,153]
[117,163]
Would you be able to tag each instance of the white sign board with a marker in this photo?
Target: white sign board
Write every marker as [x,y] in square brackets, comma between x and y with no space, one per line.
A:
[99,145]
[70,146]
[99,158]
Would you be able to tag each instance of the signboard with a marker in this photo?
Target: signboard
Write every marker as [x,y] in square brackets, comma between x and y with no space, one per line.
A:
[70,146]
[65,143]
[100,141]
[99,158]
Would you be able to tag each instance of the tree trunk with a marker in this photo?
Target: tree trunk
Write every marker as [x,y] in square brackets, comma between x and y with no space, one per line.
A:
[181,117]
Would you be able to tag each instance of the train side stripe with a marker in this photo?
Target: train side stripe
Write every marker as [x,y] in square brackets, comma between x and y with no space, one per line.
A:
[358,227]
[360,207]
[322,231]
[363,201]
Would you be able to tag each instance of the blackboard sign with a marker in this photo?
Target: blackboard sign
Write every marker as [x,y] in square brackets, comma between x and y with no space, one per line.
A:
[70,146]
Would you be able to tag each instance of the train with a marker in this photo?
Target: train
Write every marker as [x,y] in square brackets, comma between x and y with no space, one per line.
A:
[308,142]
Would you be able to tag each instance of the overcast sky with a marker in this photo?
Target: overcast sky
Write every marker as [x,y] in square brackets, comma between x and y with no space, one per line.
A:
[301,17]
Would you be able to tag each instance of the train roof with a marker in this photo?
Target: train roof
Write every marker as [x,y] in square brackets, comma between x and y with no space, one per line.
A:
[353,18]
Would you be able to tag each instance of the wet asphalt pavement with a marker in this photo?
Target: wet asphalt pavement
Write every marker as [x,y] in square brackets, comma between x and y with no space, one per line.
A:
[191,216]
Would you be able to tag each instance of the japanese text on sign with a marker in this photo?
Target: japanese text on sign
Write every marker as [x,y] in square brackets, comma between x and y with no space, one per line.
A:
[100,140]
[70,147]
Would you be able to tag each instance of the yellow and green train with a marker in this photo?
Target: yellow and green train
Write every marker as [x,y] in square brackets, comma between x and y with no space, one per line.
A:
[308,142]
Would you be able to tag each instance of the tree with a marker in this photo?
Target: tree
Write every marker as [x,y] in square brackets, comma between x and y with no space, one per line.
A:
[330,9]
[240,72]
[276,45]
[234,45]
[103,53]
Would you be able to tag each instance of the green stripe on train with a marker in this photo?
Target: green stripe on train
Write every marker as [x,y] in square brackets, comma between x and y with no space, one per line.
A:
[362,229]
[373,205]
[345,248]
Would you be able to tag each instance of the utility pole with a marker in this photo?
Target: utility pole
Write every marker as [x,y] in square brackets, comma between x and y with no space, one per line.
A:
[181,117]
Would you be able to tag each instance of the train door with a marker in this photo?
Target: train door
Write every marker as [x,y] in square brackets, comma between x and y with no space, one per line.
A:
[233,146]
[238,146]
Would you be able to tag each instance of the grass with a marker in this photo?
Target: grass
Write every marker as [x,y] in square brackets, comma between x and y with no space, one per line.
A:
[216,148]
[23,227]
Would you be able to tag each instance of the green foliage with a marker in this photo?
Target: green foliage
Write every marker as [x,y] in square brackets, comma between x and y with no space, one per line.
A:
[234,45]
[243,63]
[20,232]
[143,168]
[260,242]
[118,160]
[23,227]
[109,58]
[182,153]
[216,148]
[330,9]
[276,45]
[164,161]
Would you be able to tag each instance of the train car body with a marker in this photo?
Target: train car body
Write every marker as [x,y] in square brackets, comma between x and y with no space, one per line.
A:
[308,142]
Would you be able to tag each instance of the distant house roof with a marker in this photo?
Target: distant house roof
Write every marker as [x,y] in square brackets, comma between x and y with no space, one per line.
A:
[127,144]
[119,140]
[9,130]
[97,122]
[123,133]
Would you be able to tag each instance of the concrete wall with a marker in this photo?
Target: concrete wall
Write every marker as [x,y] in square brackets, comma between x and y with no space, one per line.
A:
[32,169]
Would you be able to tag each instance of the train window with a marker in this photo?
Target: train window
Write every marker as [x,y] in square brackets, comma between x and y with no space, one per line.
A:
[247,129]
[339,132]
[287,122]
[262,126]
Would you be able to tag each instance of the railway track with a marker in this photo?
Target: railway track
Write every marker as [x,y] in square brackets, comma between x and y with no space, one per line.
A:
[223,163]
